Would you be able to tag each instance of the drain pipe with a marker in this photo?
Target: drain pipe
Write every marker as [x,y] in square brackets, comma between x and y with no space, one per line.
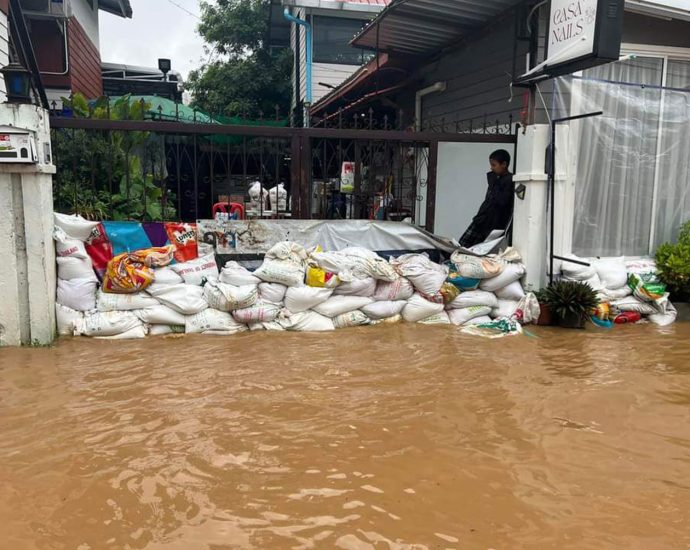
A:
[437,87]
[308,40]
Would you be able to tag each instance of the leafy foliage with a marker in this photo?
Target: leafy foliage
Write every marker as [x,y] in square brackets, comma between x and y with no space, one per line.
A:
[248,79]
[569,298]
[673,263]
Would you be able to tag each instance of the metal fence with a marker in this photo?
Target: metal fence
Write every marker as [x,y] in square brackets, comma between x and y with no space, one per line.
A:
[143,164]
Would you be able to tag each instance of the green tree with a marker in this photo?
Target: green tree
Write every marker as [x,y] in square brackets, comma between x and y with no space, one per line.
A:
[247,78]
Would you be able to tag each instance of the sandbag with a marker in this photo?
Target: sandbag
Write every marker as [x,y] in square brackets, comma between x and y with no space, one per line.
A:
[68,247]
[577,272]
[461,316]
[440,318]
[70,267]
[67,319]
[135,333]
[185,299]
[666,318]
[235,274]
[74,226]
[612,272]
[224,297]
[274,326]
[161,330]
[389,321]
[302,298]
[631,303]
[478,321]
[513,291]
[160,314]
[418,308]
[260,312]
[384,310]
[284,263]
[166,276]
[77,294]
[212,320]
[510,274]
[474,298]
[195,272]
[426,276]
[307,321]
[106,323]
[351,319]
[258,197]
[129,273]
[124,302]
[355,263]
[463,284]
[475,267]
[357,287]
[505,308]
[253,327]
[606,295]
[391,291]
[272,292]
[337,305]
[278,196]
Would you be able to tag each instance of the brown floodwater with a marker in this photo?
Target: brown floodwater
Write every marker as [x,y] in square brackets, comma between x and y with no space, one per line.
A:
[388,437]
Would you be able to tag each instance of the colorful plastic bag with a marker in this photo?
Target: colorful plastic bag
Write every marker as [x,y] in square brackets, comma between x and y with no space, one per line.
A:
[183,236]
[646,286]
[321,278]
[100,249]
[131,272]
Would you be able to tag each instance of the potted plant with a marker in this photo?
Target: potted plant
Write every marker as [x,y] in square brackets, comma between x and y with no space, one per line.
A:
[570,302]
[545,316]
[673,263]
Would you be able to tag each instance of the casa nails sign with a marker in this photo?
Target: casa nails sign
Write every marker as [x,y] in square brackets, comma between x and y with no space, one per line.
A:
[572,29]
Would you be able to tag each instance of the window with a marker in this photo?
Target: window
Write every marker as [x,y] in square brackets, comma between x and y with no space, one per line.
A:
[632,185]
[332,37]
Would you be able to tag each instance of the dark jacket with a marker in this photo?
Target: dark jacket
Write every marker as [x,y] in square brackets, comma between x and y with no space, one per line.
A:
[495,212]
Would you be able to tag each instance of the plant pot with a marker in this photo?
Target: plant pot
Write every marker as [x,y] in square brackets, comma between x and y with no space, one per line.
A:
[545,315]
[572,320]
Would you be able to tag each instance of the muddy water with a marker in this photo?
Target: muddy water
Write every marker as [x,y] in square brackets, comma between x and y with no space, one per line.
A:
[386,437]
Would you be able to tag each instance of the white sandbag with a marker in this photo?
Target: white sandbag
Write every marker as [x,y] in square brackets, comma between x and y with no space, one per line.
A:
[357,287]
[194,272]
[478,321]
[302,298]
[166,276]
[67,319]
[74,226]
[212,320]
[77,294]
[107,323]
[307,321]
[606,295]
[258,313]
[513,291]
[351,319]
[235,274]
[355,263]
[510,274]
[161,330]
[66,246]
[475,267]
[384,310]
[135,333]
[461,316]
[641,266]
[426,276]
[278,196]
[272,292]
[418,308]
[258,196]
[186,299]
[391,291]
[389,321]
[160,314]
[284,263]
[473,298]
[612,272]
[631,303]
[253,327]
[107,301]
[441,318]
[666,318]
[224,297]
[593,282]
[69,268]
[337,305]
[274,326]
[505,308]
[577,272]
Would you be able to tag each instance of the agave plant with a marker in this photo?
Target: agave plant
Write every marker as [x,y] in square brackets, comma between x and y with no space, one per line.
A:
[570,300]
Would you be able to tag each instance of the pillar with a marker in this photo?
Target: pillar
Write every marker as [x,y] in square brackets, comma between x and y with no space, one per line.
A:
[27,253]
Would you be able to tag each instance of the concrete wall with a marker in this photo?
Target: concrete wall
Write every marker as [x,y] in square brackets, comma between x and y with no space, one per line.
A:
[88,19]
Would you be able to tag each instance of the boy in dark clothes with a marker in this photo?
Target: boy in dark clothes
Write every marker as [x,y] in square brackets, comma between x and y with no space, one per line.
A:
[497,209]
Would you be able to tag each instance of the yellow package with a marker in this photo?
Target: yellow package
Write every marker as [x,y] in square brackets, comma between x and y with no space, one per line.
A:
[322,279]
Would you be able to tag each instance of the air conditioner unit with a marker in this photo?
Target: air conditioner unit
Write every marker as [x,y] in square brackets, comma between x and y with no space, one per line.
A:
[48,8]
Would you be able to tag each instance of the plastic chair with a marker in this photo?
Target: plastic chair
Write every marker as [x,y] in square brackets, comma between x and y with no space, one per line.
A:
[235,207]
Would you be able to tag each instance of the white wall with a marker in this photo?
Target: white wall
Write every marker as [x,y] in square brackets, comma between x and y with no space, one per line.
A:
[329,73]
[87,18]
[4,52]
[461,184]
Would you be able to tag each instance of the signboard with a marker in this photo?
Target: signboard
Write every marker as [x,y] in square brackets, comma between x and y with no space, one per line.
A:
[580,34]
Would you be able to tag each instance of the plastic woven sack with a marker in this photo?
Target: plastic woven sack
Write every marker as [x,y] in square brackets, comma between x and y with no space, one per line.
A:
[131,272]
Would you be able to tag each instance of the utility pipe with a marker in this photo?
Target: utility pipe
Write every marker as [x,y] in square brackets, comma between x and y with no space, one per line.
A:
[437,87]
[309,43]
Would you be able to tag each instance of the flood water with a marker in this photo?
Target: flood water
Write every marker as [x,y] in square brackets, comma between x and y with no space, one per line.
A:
[385,437]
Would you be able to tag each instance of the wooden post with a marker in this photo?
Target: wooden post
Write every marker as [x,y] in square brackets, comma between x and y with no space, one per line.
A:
[431,185]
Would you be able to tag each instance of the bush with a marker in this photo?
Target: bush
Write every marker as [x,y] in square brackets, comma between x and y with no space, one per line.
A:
[673,264]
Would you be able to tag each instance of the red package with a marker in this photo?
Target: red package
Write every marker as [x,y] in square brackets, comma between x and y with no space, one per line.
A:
[100,249]
[627,317]
[183,236]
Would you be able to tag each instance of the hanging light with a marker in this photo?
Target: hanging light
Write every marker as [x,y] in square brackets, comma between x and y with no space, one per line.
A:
[17,83]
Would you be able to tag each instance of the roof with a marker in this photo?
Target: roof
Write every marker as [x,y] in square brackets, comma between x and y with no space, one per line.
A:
[676,9]
[121,8]
[371,6]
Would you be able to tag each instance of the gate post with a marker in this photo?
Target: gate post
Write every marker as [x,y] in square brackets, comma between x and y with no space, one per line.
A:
[432,170]
[27,277]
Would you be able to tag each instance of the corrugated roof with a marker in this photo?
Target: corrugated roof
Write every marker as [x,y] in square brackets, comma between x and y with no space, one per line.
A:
[117,7]
[424,26]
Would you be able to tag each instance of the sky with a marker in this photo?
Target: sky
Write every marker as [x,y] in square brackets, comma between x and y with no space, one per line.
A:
[158,28]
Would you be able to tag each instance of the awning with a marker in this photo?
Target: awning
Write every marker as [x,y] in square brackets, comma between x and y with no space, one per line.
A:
[121,8]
